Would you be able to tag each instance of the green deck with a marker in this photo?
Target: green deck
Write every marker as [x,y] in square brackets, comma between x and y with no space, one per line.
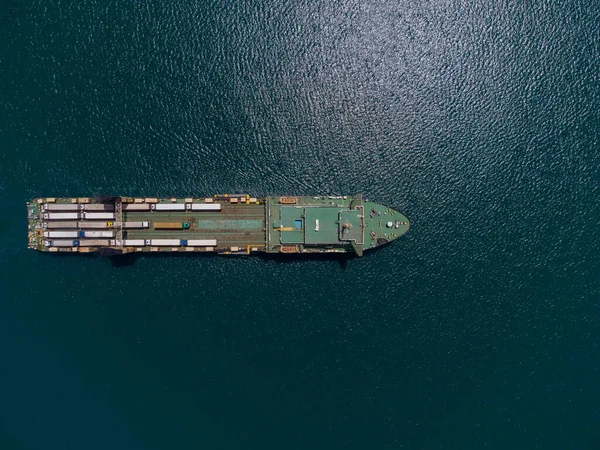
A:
[344,224]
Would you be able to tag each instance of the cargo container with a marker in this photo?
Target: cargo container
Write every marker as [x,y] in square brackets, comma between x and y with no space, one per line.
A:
[163,242]
[136,224]
[199,242]
[135,242]
[136,207]
[93,224]
[61,234]
[171,225]
[97,234]
[60,243]
[98,215]
[61,206]
[60,224]
[206,207]
[93,243]
[61,216]
[98,207]
[169,207]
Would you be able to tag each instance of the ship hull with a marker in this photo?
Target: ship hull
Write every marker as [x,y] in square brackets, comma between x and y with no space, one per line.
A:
[222,224]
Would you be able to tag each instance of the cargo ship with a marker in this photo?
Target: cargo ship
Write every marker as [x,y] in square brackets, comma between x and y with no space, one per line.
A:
[223,224]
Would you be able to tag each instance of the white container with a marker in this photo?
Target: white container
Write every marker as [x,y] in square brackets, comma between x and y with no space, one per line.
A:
[68,243]
[201,242]
[99,234]
[62,216]
[98,215]
[94,225]
[170,207]
[98,207]
[61,234]
[134,242]
[165,242]
[133,225]
[61,206]
[136,224]
[206,207]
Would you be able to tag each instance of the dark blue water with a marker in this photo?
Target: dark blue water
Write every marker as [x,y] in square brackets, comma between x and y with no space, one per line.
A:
[479,120]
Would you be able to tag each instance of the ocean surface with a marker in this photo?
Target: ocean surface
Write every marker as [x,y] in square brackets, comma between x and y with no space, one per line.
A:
[479,120]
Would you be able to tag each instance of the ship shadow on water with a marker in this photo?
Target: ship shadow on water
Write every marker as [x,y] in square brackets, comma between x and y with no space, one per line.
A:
[130,258]
[342,258]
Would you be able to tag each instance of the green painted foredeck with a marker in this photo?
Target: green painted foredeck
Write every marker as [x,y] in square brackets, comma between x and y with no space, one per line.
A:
[378,224]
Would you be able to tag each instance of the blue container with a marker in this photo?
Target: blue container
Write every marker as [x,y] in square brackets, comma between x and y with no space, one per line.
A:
[184,242]
[76,243]
[81,233]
